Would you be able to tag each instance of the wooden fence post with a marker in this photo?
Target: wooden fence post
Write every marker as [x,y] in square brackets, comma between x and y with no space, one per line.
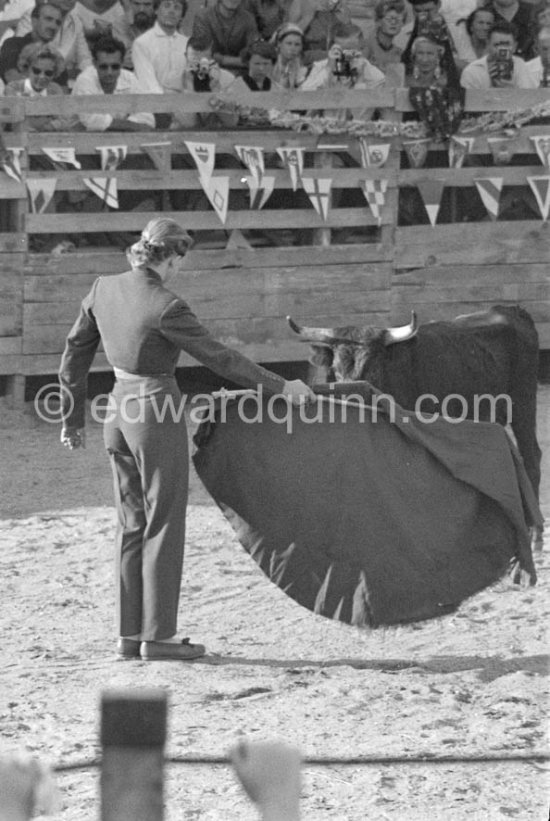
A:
[133,734]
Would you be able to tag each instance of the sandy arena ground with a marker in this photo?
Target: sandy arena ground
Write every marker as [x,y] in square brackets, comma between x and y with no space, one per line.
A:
[472,683]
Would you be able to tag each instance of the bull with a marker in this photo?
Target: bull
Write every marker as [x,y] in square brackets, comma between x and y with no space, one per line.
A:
[492,354]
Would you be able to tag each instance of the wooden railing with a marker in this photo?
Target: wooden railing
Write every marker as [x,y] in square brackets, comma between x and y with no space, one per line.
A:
[246,275]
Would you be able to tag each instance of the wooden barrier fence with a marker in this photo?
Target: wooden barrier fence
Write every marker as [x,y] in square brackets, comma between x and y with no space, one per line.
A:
[243,277]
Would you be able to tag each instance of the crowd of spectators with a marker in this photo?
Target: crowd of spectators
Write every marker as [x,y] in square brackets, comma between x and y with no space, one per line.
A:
[264,45]
[103,47]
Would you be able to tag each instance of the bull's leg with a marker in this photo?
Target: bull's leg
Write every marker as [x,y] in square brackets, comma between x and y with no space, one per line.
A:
[526,438]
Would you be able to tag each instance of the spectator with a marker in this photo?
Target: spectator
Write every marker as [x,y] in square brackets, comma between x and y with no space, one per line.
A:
[159,54]
[268,14]
[45,22]
[540,66]
[28,788]
[521,15]
[260,60]
[42,67]
[455,10]
[429,22]
[500,67]
[270,774]
[70,40]
[542,16]
[106,76]
[230,28]
[289,70]
[345,66]
[11,13]
[471,36]
[202,74]
[426,69]
[139,17]
[101,17]
[379,48]
[317,19]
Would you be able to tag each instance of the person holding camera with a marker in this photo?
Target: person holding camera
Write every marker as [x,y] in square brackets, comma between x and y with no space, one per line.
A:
[345,66]
[521,15]
[500,67]
[203,74]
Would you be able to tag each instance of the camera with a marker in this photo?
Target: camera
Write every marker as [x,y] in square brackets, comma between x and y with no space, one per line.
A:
[504,64]
[200,72]
[343,65]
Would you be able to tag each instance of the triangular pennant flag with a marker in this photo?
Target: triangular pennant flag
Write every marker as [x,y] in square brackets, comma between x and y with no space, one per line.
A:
[541,189]
[160,154]
[112,156]
[489,189]
[542,145]
[260,192]
[459,147]
[502,149]
[431,191]
[293,159]
[10,162]
[375,194]
[204,155]
[62,156]
[105,188]
[318,190]
[237,240]
[41,190]
[217,191]
[373,156]
[253,157]
[417,151]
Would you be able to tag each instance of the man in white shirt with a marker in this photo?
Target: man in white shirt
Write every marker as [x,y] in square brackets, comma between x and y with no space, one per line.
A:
[106,76]
[500,67]
[540,66]
[159,54]
[70,40]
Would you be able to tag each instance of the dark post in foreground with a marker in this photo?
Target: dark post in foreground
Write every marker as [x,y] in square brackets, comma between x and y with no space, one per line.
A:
[133,735]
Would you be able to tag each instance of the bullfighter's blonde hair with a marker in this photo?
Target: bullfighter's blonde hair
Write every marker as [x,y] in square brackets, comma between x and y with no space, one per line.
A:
[161,238]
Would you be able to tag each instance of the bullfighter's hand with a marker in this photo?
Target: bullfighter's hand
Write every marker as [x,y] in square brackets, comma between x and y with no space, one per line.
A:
[270,774]
[73,438]
[298,392]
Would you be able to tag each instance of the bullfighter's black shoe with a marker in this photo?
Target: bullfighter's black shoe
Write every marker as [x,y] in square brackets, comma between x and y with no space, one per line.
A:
[128,648]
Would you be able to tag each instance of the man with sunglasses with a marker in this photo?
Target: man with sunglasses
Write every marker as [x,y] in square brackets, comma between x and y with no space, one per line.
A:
[106,76]
[46,21]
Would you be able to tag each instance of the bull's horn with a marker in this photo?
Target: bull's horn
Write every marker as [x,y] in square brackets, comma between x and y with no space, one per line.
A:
[403,333]
[325,335]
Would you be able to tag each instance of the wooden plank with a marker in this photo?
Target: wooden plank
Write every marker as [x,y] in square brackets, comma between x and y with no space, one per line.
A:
[203,220]
[137,179]
[483,243]
[493,99]
[428,310]
[124,104]
[10,345]
[468,275]
[76,263]
[214,286]
[309,256]
[11,298]
[267,331]
[12,242]
[10,364]
[465,177]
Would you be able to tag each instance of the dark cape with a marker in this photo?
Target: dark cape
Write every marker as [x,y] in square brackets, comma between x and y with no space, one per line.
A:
[370,521]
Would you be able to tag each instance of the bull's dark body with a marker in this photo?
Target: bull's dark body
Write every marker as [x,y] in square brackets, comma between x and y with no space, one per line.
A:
[494,352]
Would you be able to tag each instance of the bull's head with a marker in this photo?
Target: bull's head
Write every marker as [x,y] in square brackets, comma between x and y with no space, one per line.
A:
[348,351]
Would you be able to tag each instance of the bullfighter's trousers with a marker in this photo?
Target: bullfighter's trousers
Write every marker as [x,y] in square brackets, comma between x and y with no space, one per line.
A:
[146,438]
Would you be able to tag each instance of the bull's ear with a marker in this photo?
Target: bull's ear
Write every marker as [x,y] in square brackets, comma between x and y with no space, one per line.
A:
[322,356]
